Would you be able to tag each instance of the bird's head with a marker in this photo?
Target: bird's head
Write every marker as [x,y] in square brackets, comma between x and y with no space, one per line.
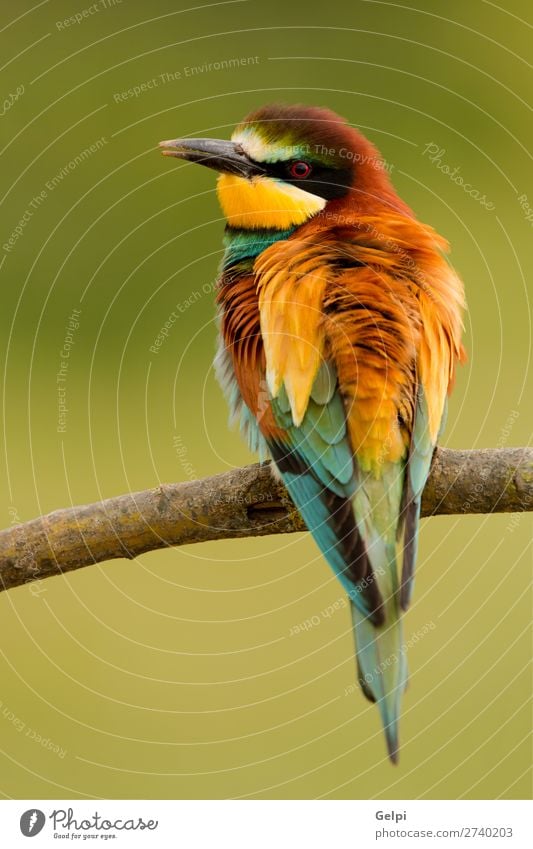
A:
[284,164]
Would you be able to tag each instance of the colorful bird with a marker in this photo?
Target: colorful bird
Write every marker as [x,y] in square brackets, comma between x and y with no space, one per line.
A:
[340,327]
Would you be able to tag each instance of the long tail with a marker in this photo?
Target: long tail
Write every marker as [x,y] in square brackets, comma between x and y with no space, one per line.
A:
[381,660]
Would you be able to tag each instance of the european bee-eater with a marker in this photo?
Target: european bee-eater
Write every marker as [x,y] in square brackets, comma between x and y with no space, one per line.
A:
[340,328]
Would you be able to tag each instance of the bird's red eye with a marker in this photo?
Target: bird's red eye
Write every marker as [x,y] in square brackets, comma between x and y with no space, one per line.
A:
[300,170]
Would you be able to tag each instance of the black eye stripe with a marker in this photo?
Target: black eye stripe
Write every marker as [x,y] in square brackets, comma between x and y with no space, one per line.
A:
[322,180]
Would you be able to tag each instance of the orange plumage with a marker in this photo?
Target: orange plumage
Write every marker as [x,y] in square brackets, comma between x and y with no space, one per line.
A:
[395,309]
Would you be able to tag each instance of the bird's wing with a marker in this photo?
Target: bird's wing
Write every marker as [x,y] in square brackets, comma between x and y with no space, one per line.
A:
[314,457]
[316,462]
[353,514]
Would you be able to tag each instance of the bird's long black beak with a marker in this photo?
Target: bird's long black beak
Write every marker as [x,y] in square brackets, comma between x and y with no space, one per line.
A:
[215,153]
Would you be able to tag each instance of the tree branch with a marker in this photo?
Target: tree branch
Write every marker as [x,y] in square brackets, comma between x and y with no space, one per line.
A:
[239,503]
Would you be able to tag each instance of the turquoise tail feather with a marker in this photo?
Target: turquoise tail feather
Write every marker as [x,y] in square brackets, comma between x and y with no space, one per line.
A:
[380,649]
[381,659]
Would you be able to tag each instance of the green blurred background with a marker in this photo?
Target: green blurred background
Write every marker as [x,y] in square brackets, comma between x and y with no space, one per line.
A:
[175,675]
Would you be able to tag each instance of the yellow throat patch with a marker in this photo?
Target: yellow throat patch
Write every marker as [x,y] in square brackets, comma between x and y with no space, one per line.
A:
[262,202]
